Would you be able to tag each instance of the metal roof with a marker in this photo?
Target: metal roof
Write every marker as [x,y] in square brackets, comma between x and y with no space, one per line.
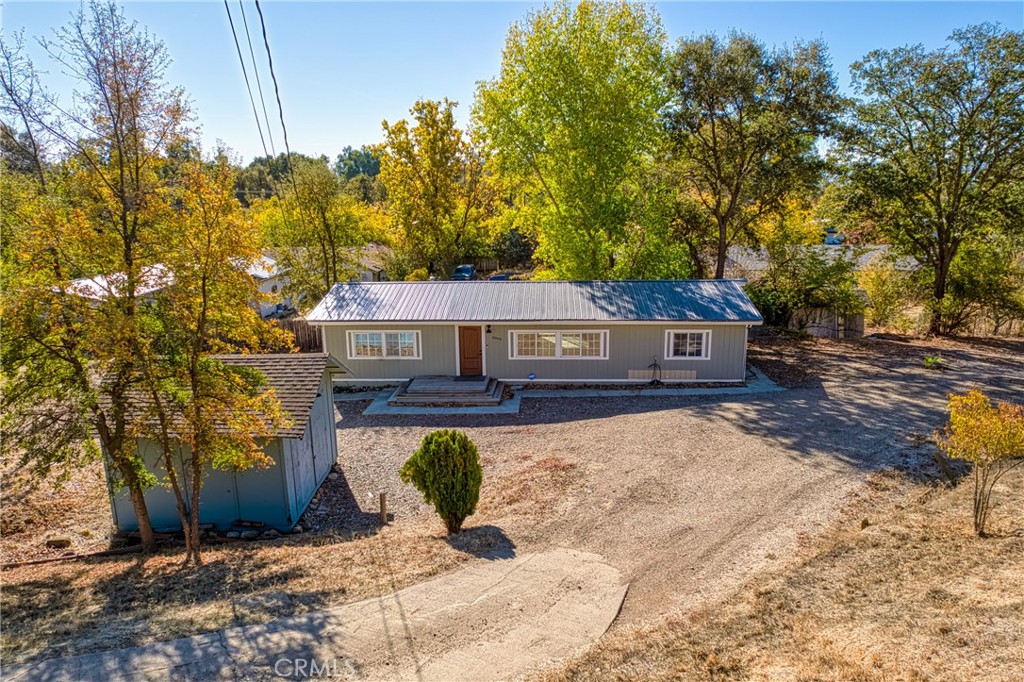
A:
[538,301]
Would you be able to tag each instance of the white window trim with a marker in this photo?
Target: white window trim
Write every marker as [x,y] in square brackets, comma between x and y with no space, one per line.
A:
[417,344]
[705,345]
[558,344]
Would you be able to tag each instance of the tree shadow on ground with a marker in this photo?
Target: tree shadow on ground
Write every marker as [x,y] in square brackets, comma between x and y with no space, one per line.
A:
[252,588]
[485,542]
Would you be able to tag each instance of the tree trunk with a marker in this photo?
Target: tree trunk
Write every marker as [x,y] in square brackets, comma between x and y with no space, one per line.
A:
[193,551]
[722,249]
[142,516]
[936,326]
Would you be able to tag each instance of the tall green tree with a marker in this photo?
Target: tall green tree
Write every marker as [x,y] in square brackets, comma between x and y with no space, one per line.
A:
[573,115]
[935,148]
[744,120]
[354,162]
[71,353]
[438,194]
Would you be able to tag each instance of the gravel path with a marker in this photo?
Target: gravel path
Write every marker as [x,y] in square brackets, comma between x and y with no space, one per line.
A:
[689,497]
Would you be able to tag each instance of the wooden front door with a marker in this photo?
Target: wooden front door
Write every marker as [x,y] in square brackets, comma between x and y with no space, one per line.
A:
[471,354]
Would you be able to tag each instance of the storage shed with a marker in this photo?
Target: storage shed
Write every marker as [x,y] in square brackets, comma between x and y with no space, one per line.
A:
[544,331]
[303,454]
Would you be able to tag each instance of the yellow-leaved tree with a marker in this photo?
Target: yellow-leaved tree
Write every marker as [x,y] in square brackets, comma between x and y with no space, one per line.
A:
[82,243]
[990,437]
[206,413]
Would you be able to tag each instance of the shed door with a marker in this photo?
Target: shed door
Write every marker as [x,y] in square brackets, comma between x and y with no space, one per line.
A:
[471,356]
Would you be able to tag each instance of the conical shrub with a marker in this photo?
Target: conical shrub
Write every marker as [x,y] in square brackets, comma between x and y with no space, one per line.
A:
[446,469]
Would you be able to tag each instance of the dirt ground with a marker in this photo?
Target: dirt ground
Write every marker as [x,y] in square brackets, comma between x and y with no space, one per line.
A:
[900,589]
[687,497]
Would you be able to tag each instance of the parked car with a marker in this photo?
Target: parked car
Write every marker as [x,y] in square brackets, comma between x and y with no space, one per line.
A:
[500,277]
[464,272]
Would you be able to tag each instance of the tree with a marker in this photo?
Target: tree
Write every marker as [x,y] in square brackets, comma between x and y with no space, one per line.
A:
[20,137]
[446,469]
[205,413]
[354,162]
[935,147]
[267,176]
[438,196]
[990,437]
[800,276]
[744,121]
[572,116]
[319,230]
[70,361]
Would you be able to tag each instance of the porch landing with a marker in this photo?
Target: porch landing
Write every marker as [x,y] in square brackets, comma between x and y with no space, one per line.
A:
[448,391]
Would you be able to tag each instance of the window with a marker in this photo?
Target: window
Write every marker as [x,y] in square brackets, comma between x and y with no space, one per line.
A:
[401,345]
[692,345]
[559,345]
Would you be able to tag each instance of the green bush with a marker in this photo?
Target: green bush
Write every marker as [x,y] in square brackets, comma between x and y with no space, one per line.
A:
[417,275]
[890,294]
[446,469]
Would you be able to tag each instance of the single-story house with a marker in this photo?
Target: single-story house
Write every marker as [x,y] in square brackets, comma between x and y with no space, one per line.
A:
[544,331]
[271,280]
[303,454]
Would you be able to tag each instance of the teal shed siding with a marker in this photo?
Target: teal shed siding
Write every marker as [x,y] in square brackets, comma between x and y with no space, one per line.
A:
[226,497]
[275,496]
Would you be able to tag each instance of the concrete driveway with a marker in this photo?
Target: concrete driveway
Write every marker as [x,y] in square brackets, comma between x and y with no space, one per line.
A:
[495,620]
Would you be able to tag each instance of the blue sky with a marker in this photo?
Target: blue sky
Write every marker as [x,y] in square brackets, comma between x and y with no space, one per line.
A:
[344,66]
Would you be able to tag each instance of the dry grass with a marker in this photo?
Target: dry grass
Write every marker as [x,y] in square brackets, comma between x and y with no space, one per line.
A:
[34,511]
[911,595]
[96,604]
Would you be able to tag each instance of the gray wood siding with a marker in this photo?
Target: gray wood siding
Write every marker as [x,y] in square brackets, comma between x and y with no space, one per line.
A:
[309,460]
[630,347]
[437,344]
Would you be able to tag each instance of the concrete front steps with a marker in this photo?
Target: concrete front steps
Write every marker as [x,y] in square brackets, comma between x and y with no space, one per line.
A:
[447,391]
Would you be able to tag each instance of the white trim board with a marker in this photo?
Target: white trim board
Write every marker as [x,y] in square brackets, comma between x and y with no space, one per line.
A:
[705,345]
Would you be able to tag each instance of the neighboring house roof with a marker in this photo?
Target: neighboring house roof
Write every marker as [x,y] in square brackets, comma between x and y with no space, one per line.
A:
[745,260]
[152,278]
[372,257]
[265,268]
[537,301]
[295,378]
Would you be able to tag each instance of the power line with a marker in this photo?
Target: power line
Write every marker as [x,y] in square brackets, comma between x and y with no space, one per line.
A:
[256,72]
[241,61]
[277,95]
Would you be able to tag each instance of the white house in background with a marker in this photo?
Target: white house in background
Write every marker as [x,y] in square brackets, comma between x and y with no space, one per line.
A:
[271,281]
[152,280]
[371,259]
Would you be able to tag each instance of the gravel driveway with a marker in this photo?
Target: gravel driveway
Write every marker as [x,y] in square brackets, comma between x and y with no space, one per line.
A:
[689,497]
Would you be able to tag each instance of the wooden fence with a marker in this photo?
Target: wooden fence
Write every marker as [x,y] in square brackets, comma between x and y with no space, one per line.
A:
[307,337]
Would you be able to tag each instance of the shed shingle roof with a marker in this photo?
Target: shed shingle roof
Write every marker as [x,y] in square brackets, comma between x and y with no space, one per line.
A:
[295,378]
[545,301]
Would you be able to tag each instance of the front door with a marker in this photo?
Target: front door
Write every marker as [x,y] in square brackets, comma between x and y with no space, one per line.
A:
[471,354]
